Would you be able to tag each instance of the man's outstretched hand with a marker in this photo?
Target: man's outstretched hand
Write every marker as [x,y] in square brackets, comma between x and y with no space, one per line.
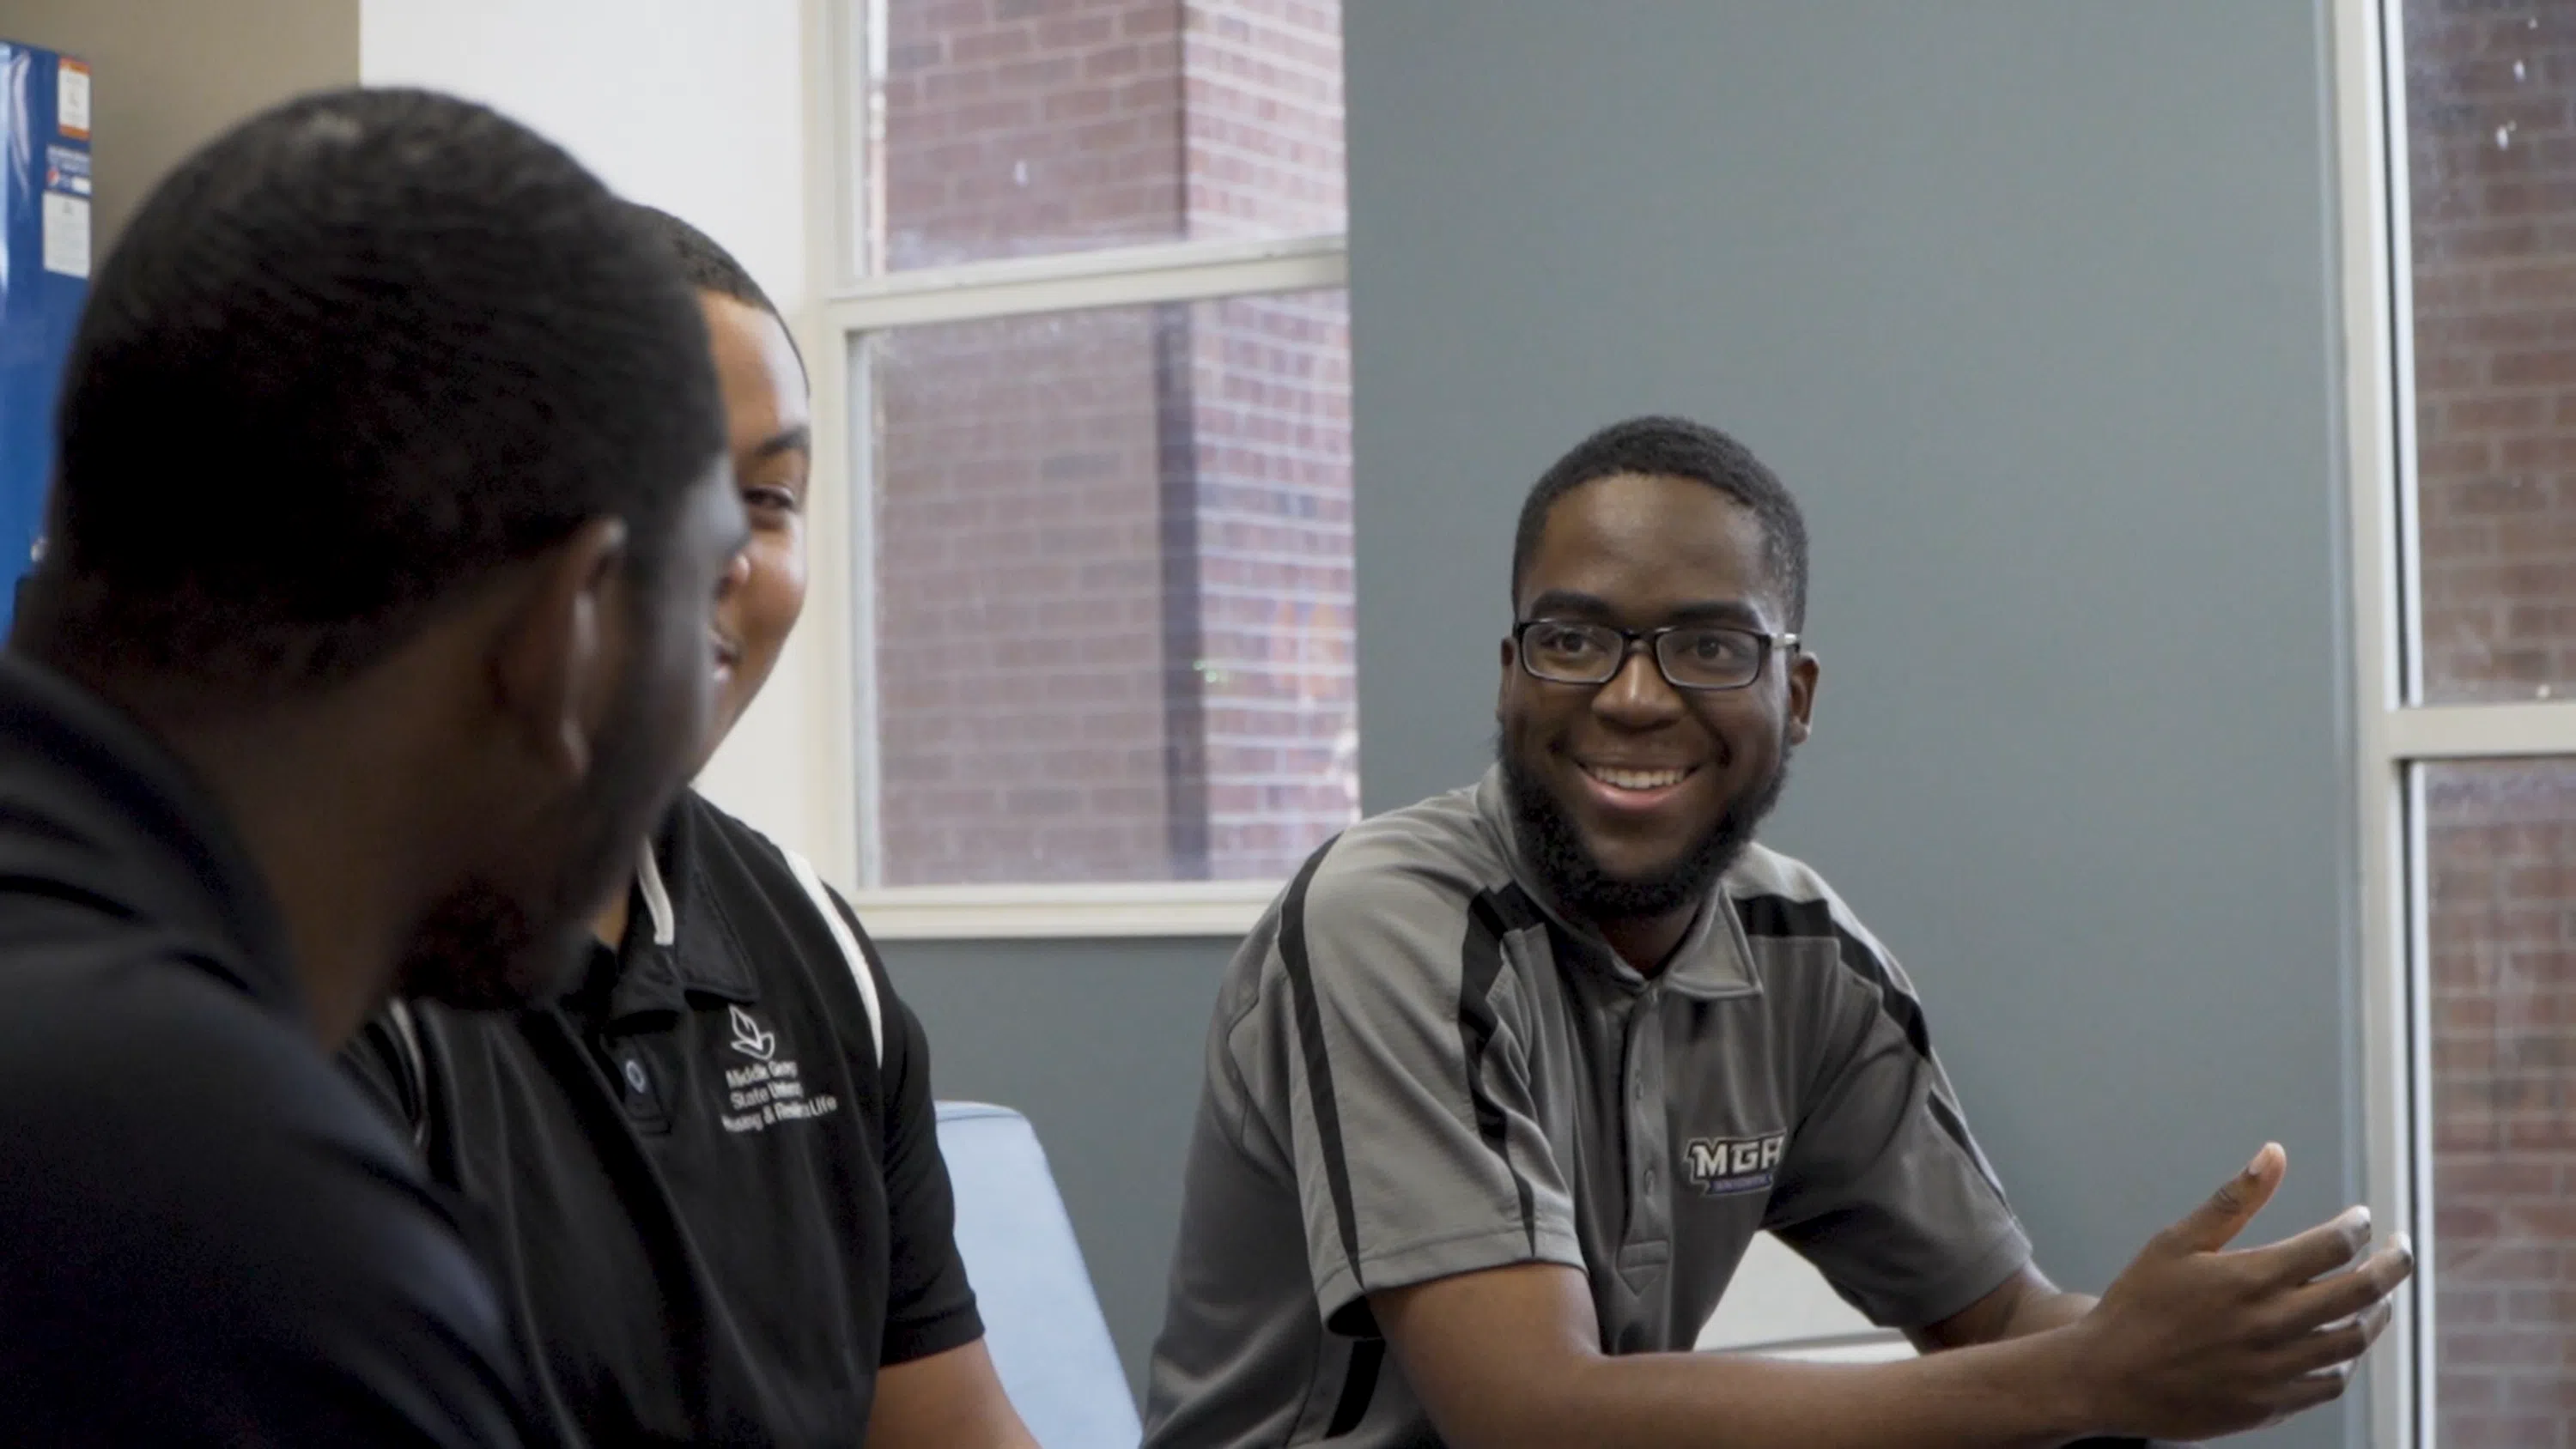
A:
[2194,1340]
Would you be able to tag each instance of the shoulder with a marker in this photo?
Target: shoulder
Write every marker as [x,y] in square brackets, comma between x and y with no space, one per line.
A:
[1805,940]
[742,866]
[1433,858]
[732,845]
[1778,896]
[766,890]
[164,1130]
[116,1044]
[1379,912]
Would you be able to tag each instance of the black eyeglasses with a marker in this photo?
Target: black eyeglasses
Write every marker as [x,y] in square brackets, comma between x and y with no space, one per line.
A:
[1689,656]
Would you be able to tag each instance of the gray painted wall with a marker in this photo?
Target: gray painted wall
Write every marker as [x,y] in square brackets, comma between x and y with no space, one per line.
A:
[2031,301]
[1099,1042]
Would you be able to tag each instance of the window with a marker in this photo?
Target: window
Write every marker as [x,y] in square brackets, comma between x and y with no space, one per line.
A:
[2458,135]
[1097,363]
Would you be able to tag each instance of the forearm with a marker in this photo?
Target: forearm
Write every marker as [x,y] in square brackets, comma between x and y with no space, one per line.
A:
[2043,1311]
[1998,1396]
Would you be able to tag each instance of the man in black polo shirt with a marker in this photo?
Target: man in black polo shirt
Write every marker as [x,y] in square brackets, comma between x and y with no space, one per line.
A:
[713,1169]
[373,627]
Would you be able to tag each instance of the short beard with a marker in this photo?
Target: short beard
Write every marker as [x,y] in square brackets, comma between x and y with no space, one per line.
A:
[488,946]
[1548,834]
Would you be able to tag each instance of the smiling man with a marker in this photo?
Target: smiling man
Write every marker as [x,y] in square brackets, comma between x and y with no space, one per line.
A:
[1500,1090]
[712,1168]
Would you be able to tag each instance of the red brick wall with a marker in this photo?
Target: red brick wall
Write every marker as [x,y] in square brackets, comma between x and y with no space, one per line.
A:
[2500,843]
[1271,412]
[1019,127]
[1113,550]
[2491,156]
[1263,112]
[1019,601]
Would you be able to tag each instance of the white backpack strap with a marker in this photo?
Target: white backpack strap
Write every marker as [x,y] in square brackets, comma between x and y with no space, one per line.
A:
[848,943]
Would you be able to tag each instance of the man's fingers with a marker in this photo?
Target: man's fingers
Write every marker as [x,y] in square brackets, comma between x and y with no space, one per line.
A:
[2312,1254]
[2346,1294]
[2309,1390]
[2215,1223]
[2338,1344]
[2374,1321]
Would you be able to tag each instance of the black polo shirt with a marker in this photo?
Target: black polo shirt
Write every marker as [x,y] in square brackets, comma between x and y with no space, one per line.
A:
[712,1172]
[207,1236]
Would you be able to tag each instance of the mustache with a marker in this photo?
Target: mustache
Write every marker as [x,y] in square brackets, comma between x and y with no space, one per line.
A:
[1554,845]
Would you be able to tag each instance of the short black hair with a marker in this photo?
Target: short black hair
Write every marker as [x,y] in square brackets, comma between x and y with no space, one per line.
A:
[703,260]
[361,351]
[710,268]
[1671,447]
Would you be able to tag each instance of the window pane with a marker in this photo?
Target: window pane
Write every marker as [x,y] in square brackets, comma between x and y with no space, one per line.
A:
[1113,570]
[2491,157]
[1016,127]
[2500,850]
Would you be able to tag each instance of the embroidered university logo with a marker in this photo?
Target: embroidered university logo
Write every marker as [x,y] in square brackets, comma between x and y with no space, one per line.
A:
[748,1037]
[768,1089]
[1718,1166]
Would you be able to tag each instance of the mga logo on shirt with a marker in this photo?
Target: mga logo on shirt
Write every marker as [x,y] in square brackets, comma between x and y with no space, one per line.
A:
[1718,1166]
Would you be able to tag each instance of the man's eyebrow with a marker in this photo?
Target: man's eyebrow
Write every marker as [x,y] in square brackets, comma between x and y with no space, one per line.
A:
[1572,604]
[1562,602]
[1716,611]
[798,439]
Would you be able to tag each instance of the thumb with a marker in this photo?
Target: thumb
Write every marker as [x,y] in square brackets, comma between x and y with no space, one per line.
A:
[2212,1225]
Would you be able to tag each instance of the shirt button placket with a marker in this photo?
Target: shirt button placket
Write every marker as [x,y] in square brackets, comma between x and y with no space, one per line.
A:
[1646,1126]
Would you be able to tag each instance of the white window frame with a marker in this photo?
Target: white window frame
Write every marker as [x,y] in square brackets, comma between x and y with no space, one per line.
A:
[857,305]
[2392,736]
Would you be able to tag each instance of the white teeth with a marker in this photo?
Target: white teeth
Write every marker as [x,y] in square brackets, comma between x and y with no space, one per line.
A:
[1636,779]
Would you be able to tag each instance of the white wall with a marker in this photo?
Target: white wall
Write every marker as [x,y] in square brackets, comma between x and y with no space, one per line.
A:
[697,107]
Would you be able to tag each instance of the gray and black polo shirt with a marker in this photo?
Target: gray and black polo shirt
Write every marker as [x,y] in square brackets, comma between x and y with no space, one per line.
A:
[1420,1068]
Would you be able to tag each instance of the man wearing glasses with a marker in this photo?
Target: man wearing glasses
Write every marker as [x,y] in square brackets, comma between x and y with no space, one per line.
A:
[1500,1091]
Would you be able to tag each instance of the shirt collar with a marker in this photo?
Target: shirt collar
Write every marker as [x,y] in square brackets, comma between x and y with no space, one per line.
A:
[92,803]
[678,939]
[1713,961]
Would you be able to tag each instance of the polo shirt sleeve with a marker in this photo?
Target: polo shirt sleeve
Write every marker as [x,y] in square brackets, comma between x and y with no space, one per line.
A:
[930,1307]
[1882,1187]
[1394,1058]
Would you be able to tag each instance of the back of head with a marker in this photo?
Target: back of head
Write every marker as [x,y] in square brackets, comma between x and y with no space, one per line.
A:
[1670,447]
[362,351]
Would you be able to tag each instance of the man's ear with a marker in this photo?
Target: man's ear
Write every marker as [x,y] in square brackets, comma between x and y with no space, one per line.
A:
[1503,686]
[1803,674]
[557,656]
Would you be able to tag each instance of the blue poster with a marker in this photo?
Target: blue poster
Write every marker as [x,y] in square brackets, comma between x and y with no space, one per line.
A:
[45,252]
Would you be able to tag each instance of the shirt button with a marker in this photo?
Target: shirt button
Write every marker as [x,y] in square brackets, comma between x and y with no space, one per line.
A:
[1650,1179]
[635,1079]
[1637,1089]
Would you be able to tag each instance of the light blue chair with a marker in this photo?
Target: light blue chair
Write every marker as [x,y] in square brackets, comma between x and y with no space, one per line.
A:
[1042,1322]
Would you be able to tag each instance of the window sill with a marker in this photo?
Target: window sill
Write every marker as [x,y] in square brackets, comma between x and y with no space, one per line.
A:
[1222,910]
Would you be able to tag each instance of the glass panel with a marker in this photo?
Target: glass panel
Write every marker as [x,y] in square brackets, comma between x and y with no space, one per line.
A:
[1113,581]
[2500,852]
[1018,127]
[2491,158]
